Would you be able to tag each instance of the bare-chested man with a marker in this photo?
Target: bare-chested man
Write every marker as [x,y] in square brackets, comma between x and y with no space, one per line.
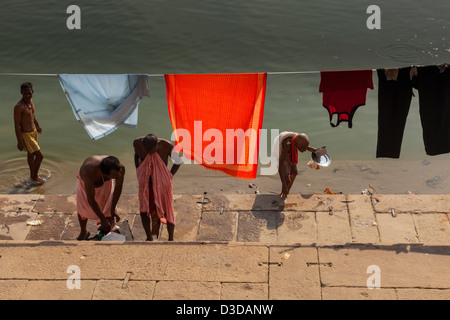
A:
[290,143]
[27,129]
[155,183]
[99,187]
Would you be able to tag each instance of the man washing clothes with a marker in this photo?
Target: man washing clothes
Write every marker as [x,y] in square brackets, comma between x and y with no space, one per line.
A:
[285,148]
[155,183]
[99,187]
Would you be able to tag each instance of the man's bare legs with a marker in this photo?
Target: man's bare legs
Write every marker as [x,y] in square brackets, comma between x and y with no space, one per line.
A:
[34,162]
[291,179]
[83,228]
[156,224]
[146,224]
[170,230]
[152,225]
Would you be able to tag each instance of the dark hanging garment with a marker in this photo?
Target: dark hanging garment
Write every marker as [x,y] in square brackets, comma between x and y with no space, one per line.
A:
[433,85]
[344,92]
[394,100]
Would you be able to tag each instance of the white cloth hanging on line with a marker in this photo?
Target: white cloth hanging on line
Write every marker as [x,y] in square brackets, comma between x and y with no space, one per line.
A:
[103,102]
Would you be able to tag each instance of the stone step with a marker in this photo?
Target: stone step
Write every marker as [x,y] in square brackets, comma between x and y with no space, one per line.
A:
[333,219]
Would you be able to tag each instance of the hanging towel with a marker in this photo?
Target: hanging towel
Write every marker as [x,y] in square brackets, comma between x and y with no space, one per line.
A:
[217,119]
[394,100]
[103,102]
[344,92]
[103,197]
[154,167]
[433,85]
[277,146]
[293,157]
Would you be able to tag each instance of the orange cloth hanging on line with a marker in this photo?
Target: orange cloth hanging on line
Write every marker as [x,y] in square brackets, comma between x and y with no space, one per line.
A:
[217,119]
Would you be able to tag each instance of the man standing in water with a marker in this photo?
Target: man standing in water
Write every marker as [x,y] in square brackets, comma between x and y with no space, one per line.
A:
[155,183]
[27,129]
[99,187]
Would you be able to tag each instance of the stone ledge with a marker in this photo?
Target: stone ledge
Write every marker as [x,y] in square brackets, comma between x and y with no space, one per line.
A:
[411,203]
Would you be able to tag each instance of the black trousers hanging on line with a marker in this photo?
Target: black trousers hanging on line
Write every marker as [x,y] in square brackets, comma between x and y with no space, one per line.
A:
[434,101]
[394,100]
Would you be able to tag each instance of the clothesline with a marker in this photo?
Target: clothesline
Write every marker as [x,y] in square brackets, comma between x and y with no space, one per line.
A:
[160,74]
[103,102]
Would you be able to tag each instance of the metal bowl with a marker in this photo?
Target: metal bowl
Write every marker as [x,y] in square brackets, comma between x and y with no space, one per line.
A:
[321,157]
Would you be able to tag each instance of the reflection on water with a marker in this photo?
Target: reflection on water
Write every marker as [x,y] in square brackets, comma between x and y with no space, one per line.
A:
[15,177]
[403,53]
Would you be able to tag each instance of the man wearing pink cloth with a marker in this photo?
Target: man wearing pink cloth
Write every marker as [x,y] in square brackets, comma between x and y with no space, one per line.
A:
[99,187]
[155,183]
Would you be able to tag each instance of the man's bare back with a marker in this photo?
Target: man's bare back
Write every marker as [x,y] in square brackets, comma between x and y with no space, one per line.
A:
[90,171]
[163,148]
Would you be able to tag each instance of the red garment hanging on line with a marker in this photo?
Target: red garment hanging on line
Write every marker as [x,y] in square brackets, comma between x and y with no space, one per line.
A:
[217,119]
[344,92]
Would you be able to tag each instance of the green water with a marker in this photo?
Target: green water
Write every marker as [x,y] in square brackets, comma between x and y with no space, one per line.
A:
[213,36]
